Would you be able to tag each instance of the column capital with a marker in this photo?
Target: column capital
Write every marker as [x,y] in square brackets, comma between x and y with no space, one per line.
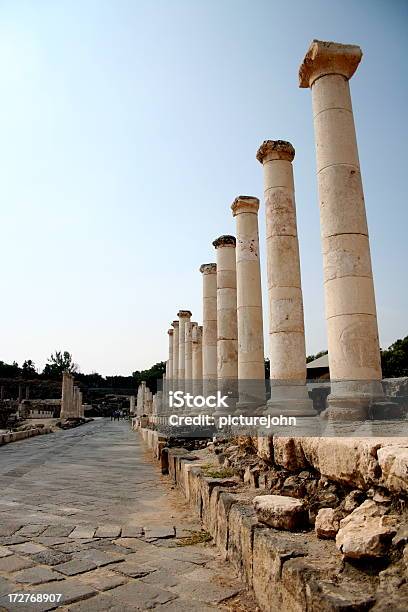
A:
[210,268]
[193,323]
[170,332]
[245,204]
[184,313]
[324,57]
[275,149]
[175,324]
[225,240]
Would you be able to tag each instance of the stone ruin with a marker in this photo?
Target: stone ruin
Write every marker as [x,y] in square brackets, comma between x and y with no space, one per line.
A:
[311,523]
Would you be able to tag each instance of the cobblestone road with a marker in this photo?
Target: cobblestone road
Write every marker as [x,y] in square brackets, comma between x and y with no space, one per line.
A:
[85,514]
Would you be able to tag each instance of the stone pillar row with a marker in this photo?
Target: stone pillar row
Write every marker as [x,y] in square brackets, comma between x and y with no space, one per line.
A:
[230,346]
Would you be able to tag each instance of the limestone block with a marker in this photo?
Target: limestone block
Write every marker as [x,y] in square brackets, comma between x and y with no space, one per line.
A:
[348,295]
[354,355]
[341,147]
[194,486]
[393,461]
[286,309]
[292,346]
[288,453]
[280,212]
[366,532]
[206,487]
[277,173]
[342,208]
[326,525]
[346,255]
[248,293]
[225,502]
[242,521]
[285,250]
[270,552]
[337,95]
[279,511]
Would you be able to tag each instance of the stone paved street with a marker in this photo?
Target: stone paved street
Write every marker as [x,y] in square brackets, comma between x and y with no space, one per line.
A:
[84,513]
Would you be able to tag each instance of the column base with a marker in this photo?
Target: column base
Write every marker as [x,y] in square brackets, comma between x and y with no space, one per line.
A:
[291,407]
[290,399]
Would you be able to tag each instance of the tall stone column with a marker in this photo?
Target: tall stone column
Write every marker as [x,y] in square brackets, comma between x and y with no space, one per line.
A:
[189,356]
[67,408]
[251,360]
[170,363]
[184,318]
[80,405]
[175,325]
[209,339]
[353,344]
[287,349]
[197,359]
[227,326]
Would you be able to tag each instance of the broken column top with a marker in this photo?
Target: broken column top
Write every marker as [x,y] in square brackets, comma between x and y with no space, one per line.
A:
[328,58]
[275,149]
[224,241]
[184,313]
[242,204]
[209,268]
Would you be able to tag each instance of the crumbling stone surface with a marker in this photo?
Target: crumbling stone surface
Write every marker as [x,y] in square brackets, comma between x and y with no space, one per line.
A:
[279,511]
[366,532]
[326,525]
[394,466]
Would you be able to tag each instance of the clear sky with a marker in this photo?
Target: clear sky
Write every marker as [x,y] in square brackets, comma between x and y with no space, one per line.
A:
[127,128]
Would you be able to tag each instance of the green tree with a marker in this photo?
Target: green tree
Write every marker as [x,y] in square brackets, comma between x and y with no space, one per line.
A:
[310,358]
[58,363]
[394,360]
[151,376]
[9,370]
[28,369]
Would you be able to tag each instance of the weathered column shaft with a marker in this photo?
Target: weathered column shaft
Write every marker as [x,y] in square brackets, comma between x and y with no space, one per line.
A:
[169,373]
[354,352]
[209,341]
[251,361]
[197,359]
[188,350]
[287,349]
[184,318]
[175,324]
[227,326]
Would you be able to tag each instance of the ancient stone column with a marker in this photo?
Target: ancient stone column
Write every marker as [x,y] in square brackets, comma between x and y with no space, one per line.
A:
[80,405]
[184,318]
[353,344]
[67,401]
[209,338]
[188,374]
[141,397]
[170,361]
[175,325]
[227,326]
[197,359]
[251,360]
[287,351]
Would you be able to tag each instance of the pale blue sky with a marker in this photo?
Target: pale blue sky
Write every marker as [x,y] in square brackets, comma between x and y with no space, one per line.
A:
[127,128]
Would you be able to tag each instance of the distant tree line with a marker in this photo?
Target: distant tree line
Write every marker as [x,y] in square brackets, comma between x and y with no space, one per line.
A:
[62,361]
[394,362]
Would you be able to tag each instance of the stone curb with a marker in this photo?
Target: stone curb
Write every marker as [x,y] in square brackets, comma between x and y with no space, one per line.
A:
[285,570]
[14,436]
